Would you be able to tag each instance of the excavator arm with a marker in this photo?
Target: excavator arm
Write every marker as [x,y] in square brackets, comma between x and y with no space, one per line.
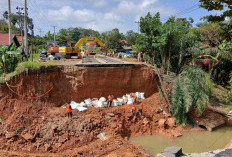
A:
[90,39]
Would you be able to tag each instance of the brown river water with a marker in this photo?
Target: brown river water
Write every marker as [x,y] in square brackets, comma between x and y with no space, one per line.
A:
[190,142]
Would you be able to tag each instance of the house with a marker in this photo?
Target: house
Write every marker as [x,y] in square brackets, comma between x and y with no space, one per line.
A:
[4,38]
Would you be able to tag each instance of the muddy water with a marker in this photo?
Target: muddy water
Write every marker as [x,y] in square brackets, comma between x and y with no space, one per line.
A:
[191,142]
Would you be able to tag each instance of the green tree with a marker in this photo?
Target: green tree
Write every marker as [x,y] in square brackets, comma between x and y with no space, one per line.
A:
[168,44]
[225,5]
[131,37]
[111,39]
[16,20]
[63,38]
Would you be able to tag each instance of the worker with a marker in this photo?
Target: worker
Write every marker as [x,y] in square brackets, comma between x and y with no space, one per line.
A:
[134,97]
[133,111]
[139,56]
[141,108]
[69,110]
[110,100]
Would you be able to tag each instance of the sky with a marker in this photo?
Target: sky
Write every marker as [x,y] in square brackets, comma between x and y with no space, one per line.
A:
[102,15]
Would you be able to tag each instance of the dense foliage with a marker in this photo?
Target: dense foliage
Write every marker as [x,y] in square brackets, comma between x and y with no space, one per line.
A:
[191,90]
[225,5]
[169,44]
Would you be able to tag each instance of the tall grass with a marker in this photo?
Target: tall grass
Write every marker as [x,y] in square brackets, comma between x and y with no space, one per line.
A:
[24,67]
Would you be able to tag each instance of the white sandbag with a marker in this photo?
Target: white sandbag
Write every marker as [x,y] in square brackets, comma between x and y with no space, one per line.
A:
[83,104]
[138,95]
[74,105]
[125,99]
[105,104]
[120,100]
[130,101]
[95,103]
[119,103]
[142,95]
[88,102]
[101,104]
[94,99]
[115,103]
[102,99]
[81,108]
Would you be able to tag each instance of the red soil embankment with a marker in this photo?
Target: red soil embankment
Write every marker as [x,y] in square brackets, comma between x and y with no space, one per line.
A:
[39,128]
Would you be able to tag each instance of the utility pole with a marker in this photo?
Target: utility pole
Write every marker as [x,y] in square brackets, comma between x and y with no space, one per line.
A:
[9,21]
[54,32]
[21,20]
[138,23]
[25,30]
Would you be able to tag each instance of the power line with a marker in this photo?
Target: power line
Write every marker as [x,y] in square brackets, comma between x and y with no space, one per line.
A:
[185,11]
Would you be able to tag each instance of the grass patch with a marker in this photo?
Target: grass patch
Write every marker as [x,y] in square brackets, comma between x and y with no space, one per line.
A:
[35,57]
[24,67]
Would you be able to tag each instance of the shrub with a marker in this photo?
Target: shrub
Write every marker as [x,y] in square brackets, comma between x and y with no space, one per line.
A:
[191,90]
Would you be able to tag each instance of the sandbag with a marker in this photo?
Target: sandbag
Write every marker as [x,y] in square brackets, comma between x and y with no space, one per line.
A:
[95,103]
[138,95]
[130,101]
[125,99]
[100,104]
[83,104]
[88,102]
[142,95]
[120,100]
[102,99]
[115,103]
[74,105]
[81,108]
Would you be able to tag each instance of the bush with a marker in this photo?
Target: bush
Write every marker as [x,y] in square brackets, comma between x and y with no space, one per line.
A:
[191,90]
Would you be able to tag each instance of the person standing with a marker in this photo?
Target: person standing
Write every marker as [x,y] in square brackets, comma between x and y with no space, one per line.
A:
[133,111]
[134,97]
[139,56]
[69,110]
[110,100]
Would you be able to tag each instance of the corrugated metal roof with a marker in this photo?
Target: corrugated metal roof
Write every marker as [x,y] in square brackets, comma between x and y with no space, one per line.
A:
[4,38]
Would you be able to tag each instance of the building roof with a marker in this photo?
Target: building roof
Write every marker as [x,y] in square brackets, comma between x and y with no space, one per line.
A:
[4,38]
[124,42]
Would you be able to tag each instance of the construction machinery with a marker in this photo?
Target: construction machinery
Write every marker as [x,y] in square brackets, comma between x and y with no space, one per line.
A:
[75,50]
[53,47]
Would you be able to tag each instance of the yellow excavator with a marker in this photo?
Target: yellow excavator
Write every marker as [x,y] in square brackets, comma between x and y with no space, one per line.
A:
[75,50]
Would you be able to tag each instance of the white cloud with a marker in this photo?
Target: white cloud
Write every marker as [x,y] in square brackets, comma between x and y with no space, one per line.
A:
[140,8]
[101,15]
[68,14]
